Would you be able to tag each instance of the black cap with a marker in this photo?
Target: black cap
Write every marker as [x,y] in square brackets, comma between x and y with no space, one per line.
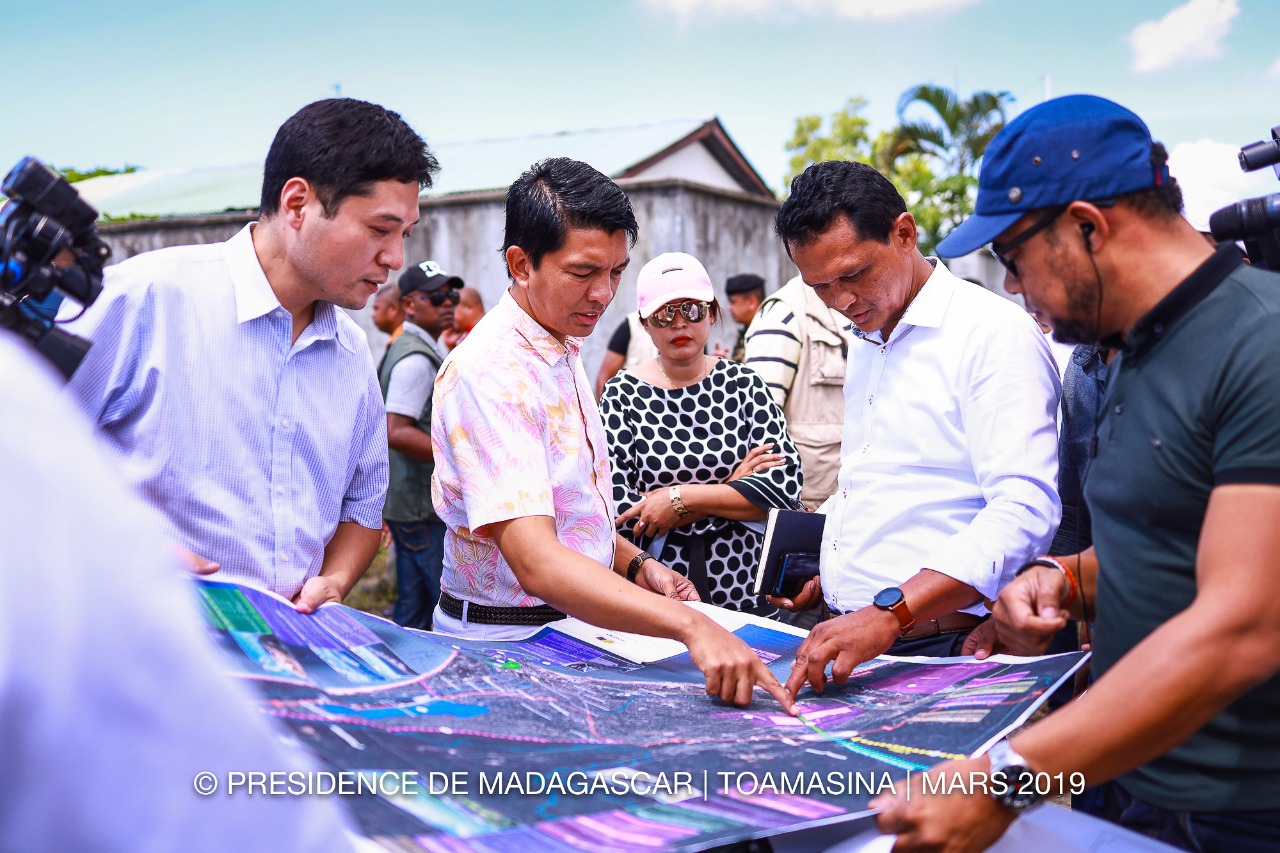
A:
[426,276]
[743,283]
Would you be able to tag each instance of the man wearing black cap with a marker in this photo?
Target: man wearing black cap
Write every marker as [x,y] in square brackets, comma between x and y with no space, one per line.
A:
[745,292]
[1184,494]
[407,375]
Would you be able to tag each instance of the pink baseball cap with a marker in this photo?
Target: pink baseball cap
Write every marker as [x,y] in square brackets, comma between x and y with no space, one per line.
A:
[670,277]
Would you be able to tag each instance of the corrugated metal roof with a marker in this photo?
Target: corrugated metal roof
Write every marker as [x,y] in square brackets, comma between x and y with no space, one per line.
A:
[466,166]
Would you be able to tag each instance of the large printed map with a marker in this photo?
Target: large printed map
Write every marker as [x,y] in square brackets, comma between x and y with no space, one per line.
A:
[559,742]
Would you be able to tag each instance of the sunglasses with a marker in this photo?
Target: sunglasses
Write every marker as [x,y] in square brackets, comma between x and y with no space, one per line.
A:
[1002,253]
[666,315]
[440,297]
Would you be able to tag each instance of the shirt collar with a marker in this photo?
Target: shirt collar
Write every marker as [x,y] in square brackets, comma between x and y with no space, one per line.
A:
[255,297]
[1157,322]
[929,306]
[539,339]
[418,331]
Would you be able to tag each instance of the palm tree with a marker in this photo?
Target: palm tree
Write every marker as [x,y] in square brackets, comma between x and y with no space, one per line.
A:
[959,138]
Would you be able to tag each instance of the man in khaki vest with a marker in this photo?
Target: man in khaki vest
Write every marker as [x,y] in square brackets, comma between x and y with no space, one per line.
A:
[799,347]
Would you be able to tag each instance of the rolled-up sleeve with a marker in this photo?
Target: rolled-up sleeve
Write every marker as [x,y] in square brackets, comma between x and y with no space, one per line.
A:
[1008,399]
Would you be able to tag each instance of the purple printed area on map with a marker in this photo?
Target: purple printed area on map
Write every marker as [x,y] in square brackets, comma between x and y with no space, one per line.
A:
[997,679]
[344,627]
[286,623]
[836,716]
[931,678]
[611,829]
[443,844]
[801,807]
[560,649]
[981,700]
[737,811]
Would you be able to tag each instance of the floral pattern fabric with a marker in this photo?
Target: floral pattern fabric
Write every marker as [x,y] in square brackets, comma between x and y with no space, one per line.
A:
[516,433]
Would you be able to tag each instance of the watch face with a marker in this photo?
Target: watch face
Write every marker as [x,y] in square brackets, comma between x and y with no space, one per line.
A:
[887,598]
[1019,790]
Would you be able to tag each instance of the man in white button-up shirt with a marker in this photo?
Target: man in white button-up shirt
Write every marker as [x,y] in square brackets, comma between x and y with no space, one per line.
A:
[949,453]
[243,401]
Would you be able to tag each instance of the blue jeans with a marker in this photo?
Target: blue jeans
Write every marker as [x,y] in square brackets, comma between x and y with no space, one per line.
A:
[1201,832]
[419,564]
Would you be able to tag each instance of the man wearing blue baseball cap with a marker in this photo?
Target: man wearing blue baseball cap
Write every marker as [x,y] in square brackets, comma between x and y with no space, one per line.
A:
[1077,203]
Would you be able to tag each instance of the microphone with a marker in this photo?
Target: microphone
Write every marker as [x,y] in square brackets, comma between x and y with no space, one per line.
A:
[1246,219]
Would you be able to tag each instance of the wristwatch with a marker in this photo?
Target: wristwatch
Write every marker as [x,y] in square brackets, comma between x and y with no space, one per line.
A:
[1013,783]
[633,568]
[895,602]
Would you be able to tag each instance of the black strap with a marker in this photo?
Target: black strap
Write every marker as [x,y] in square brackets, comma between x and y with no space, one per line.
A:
[696,555]
[484,614]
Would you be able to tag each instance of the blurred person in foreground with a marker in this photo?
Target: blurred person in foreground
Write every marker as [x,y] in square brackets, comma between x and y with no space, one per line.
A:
[241,397]
[522,467]
[112,697]
[692,441]
[1178,734]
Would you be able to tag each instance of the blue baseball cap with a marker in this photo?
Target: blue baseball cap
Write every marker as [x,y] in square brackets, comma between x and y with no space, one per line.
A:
[1079,147]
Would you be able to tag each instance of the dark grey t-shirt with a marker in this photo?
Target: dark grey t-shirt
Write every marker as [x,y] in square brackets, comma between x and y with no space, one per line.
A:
[1192,403]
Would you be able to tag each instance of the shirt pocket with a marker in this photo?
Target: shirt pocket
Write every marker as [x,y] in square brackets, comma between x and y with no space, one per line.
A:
[826,355]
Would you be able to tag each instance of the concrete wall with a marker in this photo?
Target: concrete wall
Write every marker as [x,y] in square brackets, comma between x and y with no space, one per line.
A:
[730,232]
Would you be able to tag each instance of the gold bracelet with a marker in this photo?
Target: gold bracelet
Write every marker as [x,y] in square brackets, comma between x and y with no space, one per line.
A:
[678,505]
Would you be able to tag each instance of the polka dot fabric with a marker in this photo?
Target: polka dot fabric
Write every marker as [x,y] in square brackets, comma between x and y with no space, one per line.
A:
[699,434]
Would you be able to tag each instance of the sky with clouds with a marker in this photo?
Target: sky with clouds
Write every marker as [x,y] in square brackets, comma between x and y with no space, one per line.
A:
[201,83]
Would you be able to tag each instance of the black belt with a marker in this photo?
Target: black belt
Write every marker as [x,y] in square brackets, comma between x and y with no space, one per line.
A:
[483,614]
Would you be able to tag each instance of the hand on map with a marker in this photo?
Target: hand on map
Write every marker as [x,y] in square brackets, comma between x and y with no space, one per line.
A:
[1029,611]
[193,562]
[731,668]
[315,592]
[658,578]
[809,597]
[983,641]
[943,823]
[848,640]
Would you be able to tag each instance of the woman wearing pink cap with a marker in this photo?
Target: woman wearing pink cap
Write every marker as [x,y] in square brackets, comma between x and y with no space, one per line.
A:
[698,448]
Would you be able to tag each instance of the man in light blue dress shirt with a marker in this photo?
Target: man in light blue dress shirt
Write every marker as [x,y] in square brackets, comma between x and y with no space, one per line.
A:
[243,402]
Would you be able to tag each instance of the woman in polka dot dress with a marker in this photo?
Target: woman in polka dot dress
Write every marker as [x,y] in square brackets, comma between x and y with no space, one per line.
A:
[697,445]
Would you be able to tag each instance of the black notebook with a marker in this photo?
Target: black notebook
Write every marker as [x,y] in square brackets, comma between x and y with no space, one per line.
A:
[792,541]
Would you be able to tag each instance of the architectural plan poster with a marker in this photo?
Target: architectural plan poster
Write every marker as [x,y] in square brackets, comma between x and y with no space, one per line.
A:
[577,740]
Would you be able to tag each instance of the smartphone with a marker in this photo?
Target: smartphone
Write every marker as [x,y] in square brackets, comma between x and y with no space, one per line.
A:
[796,570]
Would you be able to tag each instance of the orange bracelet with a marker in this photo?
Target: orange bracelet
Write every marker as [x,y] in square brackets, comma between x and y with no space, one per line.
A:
[1073,588]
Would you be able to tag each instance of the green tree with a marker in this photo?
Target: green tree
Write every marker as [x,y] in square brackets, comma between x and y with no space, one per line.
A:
[73,175]
[960,131]
[847,137]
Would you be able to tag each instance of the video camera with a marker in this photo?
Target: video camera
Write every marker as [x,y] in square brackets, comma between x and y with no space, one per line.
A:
[1256,221]
[47,241]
